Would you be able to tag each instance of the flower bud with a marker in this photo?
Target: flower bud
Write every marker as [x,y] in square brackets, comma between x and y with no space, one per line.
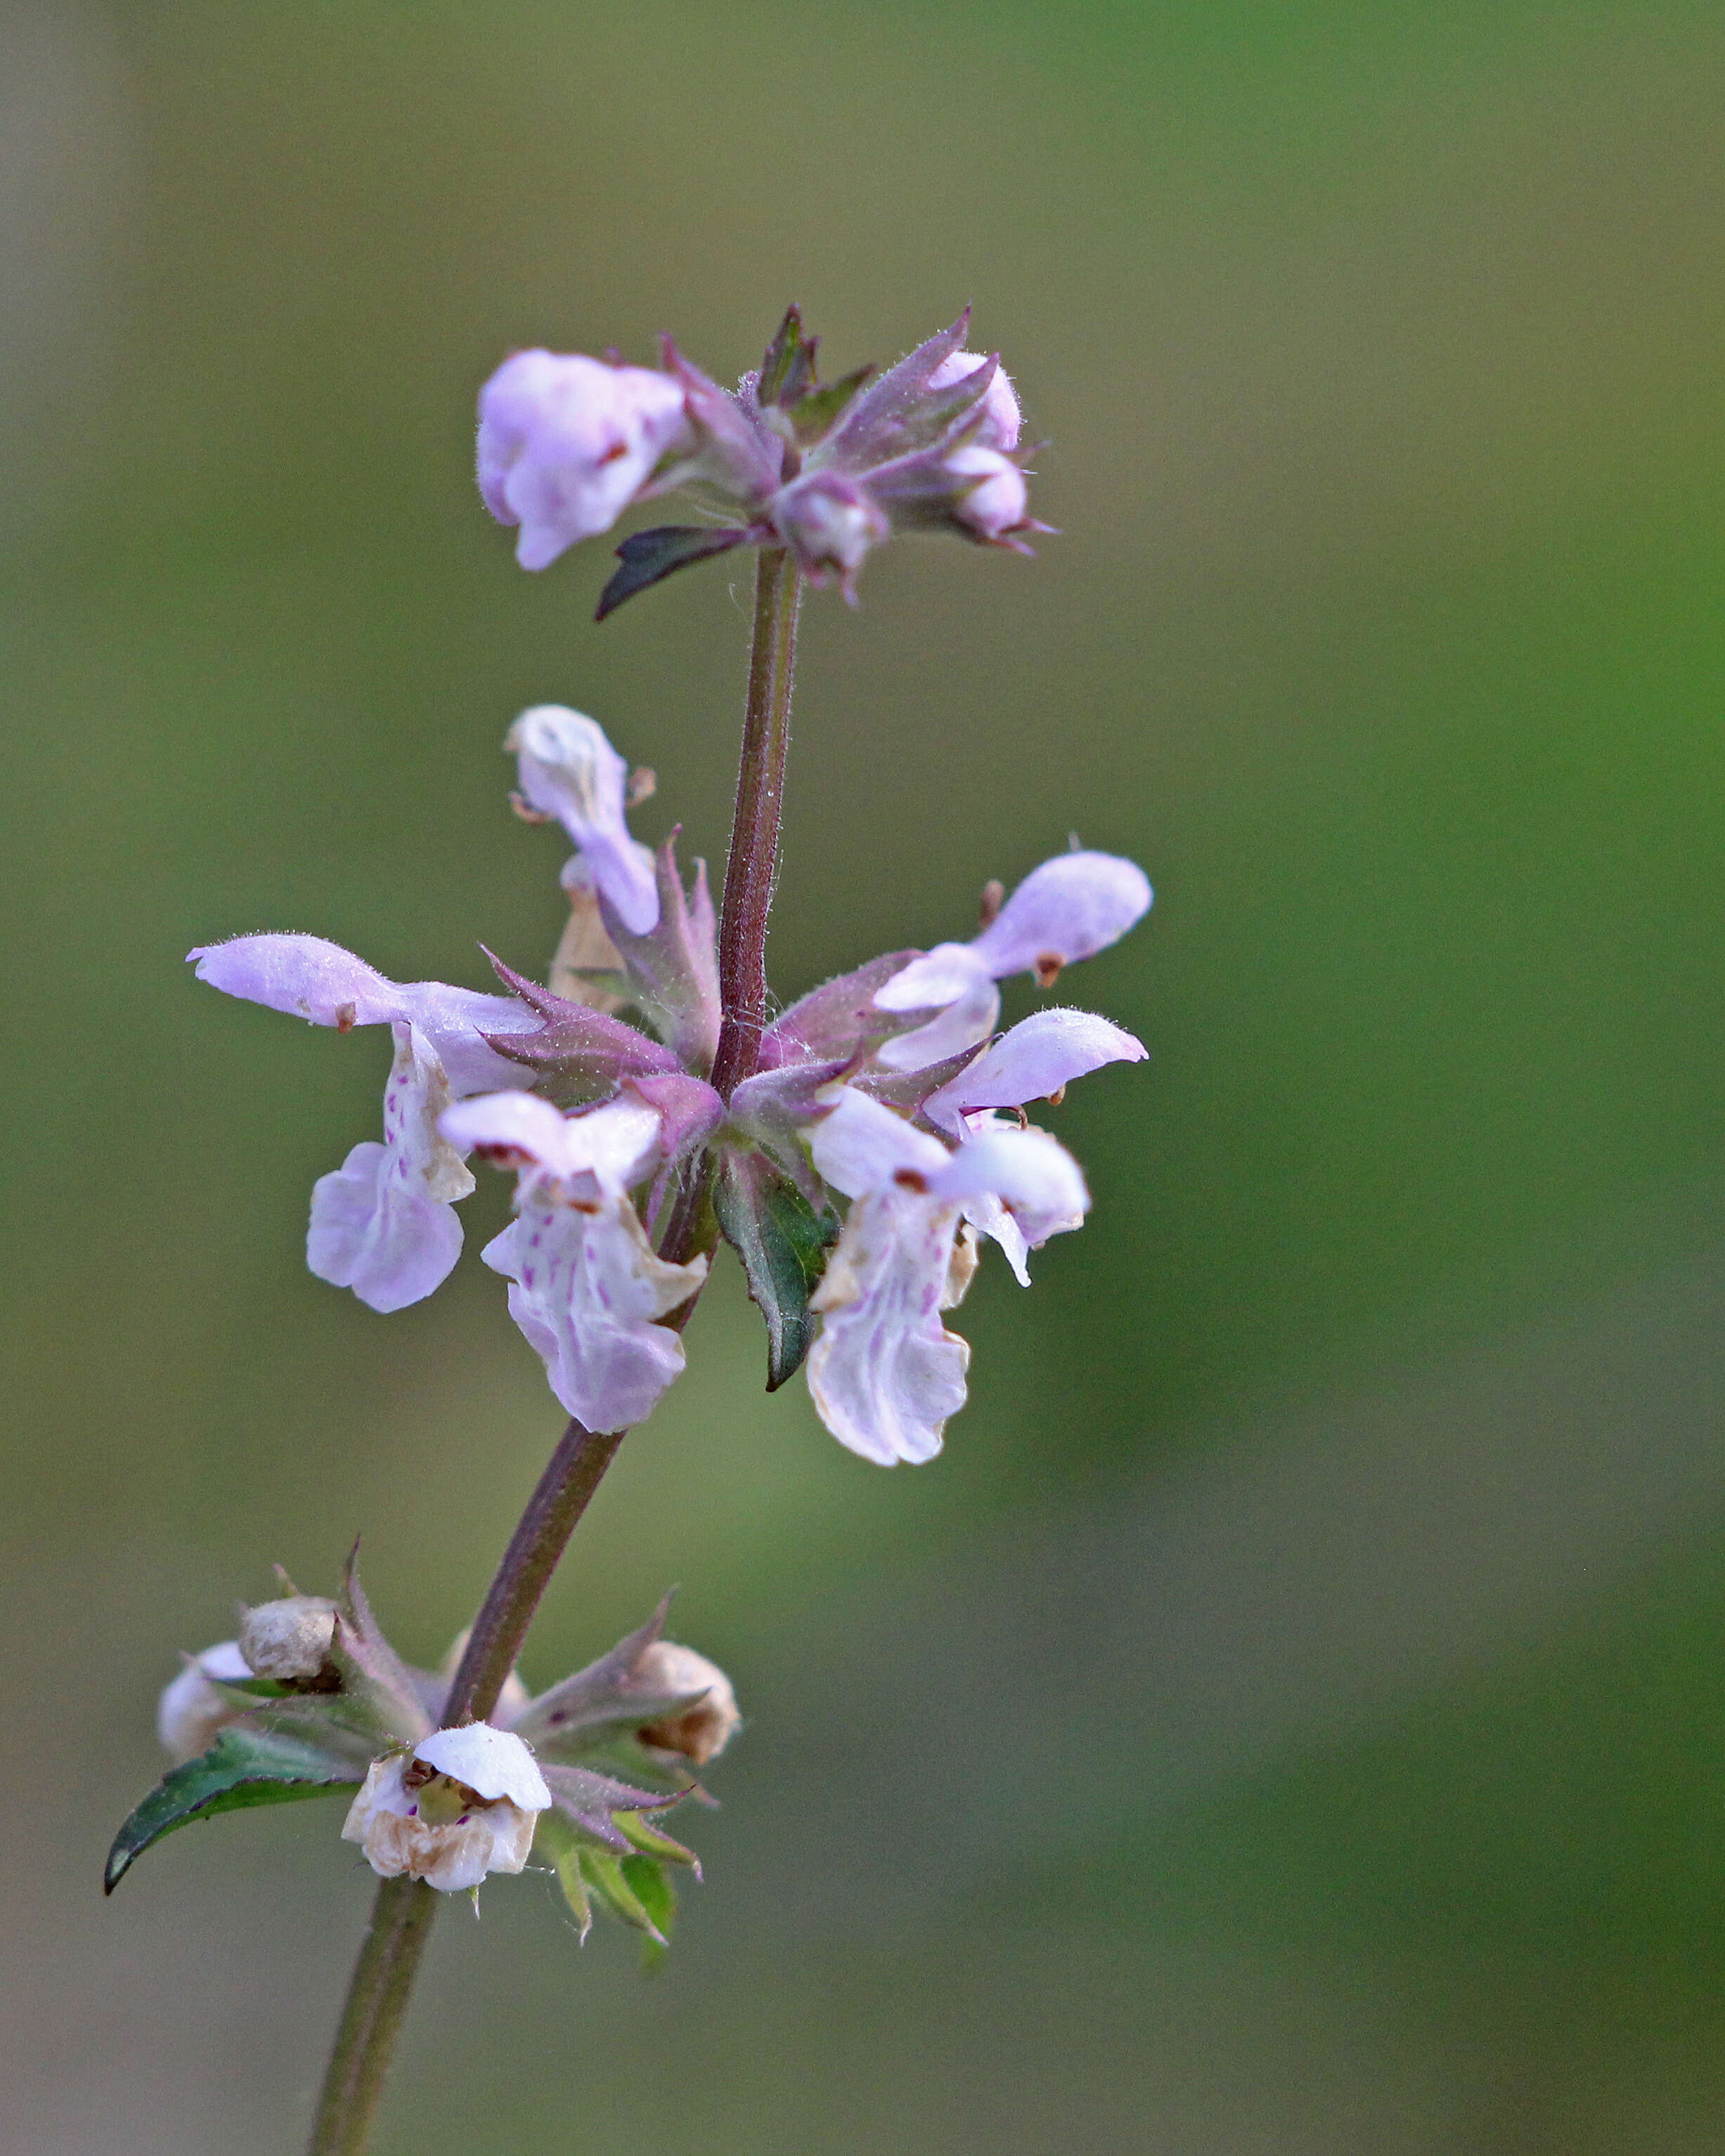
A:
[289,1640]
[831,524]
[701,1731]
[566,443]
[191,1711]
[999,501]
[568,769]
[1000,413]
[464,1803]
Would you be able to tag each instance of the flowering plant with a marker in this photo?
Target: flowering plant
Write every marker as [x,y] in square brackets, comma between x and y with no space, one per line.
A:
[853,1149]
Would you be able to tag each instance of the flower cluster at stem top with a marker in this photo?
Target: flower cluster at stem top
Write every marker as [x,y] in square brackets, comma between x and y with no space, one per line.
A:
[567,443]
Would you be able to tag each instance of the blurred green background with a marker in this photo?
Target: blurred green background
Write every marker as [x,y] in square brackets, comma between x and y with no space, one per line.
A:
[1290,1718]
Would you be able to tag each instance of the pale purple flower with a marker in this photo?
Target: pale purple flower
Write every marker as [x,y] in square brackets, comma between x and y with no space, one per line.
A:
[585,1284]
[568,769]
[1001,420]
[831,521]
[885,1373]
[383,1222]
[1036,1060]
[318,981]
[566,443]
[1069,908]
[881,1086]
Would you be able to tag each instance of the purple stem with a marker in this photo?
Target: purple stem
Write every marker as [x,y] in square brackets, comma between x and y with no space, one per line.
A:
[753,863]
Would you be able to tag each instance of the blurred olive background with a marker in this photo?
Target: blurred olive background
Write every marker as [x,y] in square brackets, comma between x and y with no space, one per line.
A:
[1290,1718]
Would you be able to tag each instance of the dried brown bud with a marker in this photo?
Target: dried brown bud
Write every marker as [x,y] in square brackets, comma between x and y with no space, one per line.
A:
[585,949]
[701,1731]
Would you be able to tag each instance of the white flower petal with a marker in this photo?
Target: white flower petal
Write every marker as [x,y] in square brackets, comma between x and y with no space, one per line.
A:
[613,1143]
[885,1373]
[862,1145]
[968,1018]
[491,1762]
[989,1217]
[932,980]
[1030,1173]
[452,1853]
[191,1713]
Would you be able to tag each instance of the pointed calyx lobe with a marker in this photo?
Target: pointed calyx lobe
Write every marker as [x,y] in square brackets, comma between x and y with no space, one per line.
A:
[577,1053]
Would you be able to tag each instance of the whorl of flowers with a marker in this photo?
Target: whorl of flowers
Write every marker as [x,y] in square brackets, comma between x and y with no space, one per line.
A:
[568,443]
[880,1131]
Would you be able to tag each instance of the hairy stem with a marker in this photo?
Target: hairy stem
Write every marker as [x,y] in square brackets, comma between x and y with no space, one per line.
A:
[402,1914]
[753,861]
[371,2020]
[571,1476]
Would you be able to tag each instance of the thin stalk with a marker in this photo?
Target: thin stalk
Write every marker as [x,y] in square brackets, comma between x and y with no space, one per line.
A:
[571,1476]
[402,1912]
[371,2020]
[754,863]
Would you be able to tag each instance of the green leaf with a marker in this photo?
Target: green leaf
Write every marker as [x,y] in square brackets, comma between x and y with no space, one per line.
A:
[655,1894]
[633,1889]
[783,354]
[242,1769]
[783,1244]
[649,556]
[816,414]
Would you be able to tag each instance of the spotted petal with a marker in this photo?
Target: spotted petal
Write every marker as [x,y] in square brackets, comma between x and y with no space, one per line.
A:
[384,1223]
